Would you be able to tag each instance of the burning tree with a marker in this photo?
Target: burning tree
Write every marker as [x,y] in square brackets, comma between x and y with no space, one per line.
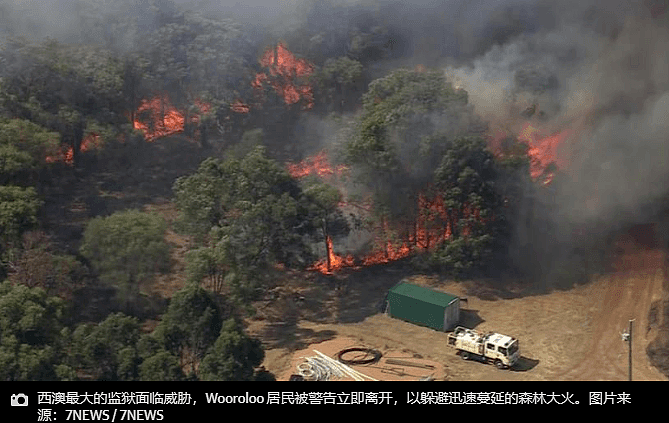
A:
[543,151]
[64,89]
[286,75]
[158,118]
[314,165]
[430,174]
[326,200]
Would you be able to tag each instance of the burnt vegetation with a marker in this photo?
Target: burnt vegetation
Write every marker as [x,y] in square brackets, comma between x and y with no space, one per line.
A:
[162,167]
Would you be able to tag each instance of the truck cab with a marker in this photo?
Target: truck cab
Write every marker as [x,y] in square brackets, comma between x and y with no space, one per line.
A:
[502,350]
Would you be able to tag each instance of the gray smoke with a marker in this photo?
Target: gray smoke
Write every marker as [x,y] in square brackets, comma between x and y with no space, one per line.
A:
[598,69]
[606,81]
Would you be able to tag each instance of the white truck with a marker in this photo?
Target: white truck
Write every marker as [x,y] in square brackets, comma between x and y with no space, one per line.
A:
[501,350]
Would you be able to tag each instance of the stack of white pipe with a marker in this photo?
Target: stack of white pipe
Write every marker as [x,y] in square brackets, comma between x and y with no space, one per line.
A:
[342,368]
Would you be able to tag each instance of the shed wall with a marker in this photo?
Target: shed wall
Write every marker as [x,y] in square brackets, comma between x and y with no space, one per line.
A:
[437,316]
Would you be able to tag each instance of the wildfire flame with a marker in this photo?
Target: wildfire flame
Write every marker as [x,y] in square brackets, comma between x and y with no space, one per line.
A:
[158,118]
[429,234]
[332,261]
[285,73]
[90,141]
[543,150]
[64,156]
[163,118]
[203,108]
[388,251]
[314,165]
[239,106]
[431,228]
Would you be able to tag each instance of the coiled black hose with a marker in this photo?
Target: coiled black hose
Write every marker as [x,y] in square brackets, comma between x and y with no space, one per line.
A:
[371,356]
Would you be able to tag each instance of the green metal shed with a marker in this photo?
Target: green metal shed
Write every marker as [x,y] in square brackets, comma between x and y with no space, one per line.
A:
[423,306]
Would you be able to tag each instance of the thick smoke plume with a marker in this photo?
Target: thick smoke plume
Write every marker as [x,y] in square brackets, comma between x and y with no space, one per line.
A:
[601,76]
[595,69]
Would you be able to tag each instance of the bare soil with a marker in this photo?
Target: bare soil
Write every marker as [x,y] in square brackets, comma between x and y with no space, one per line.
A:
[565,335]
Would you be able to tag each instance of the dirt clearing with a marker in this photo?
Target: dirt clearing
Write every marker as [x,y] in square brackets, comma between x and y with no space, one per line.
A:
[564,335]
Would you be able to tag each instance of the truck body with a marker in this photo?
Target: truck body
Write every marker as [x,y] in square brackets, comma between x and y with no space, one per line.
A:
[501,350]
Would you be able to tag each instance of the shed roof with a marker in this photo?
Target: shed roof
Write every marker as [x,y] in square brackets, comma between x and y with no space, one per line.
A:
[422,293]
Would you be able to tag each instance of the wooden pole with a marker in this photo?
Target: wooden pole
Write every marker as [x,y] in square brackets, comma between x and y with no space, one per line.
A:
[630,351]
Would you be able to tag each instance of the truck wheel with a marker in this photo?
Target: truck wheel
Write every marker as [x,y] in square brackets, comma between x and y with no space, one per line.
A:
[499,364]
[464,355]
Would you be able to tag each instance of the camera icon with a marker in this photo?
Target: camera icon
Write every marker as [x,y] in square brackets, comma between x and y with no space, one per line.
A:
[19,400]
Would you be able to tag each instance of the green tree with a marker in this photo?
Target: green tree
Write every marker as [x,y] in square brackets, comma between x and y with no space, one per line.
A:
[158,364]
[194,54]
[24,148]
[465,181]
[233,357]
[13,163]
[408,121]
[63,88]
[340,82]
[210,265]
[32,334]
[18,213]
[190,327]
[249,211]
[126,249]
[162,366]
[39,265]
[107,351]
[325,200]
[407,116]
[250,140]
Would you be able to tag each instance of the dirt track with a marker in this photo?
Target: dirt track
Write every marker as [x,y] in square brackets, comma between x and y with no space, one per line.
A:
[627,295]
[564,335]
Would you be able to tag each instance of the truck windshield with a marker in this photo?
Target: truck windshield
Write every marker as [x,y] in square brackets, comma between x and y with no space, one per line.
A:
[513,348]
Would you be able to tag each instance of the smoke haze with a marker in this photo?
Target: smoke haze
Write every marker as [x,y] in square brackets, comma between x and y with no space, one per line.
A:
[597,69]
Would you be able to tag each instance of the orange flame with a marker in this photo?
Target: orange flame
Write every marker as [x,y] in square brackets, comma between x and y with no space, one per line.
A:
[543,150]
[333,261]
[432,225]
[240,107]
[64,156]
[159,118]
[90,141]
[387,253]
[203,107]
[285,73]
[314,165]
[163,118]
[431,228]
